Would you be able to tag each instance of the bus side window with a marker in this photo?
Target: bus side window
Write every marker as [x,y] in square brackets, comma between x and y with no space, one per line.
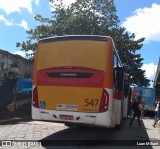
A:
[115,62]
[118,74]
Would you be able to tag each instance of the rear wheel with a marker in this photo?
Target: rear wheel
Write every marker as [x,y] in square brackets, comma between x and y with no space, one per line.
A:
[118,127]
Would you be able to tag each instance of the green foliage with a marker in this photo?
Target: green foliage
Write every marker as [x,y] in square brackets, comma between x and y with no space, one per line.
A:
[90,17]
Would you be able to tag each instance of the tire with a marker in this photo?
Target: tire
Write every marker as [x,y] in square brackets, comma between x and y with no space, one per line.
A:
[118,126]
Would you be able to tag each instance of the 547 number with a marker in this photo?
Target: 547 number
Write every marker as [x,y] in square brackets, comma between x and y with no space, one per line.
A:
[91,102]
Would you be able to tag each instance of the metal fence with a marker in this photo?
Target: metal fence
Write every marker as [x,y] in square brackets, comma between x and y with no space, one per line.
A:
[14,102]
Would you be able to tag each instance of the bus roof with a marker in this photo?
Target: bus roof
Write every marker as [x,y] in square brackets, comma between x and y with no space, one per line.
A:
[74,37]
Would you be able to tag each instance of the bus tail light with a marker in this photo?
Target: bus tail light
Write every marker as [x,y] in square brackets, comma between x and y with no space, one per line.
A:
[35,98]
[104,101]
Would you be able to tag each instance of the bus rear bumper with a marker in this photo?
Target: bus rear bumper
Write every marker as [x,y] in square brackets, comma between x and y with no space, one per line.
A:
[97,119]
[104,119]
[36,114]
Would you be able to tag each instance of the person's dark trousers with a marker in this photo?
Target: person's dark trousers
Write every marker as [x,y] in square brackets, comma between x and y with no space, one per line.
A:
[138,118]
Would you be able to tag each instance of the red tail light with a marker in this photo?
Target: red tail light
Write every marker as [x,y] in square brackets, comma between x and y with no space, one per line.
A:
[35,98]
[104,101]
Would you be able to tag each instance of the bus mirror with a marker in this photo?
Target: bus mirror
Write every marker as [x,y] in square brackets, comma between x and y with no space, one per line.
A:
[126,87]
[120,77]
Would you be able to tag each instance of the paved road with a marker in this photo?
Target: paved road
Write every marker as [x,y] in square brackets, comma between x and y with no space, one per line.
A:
[57,134]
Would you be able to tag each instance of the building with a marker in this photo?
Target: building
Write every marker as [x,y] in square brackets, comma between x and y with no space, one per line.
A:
[157,81]
[20,66]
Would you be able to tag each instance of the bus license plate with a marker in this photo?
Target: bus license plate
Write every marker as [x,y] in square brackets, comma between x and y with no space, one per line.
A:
[66,117]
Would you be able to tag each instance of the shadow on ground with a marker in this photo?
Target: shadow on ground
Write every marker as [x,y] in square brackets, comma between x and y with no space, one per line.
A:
[127,137]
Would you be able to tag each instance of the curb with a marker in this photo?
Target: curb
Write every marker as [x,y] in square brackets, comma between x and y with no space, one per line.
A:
[14,120]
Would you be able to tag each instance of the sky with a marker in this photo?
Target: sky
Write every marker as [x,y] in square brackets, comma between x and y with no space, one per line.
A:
[141,17]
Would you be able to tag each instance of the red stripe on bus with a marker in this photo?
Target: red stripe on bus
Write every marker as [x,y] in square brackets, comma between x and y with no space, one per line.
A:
[70,76]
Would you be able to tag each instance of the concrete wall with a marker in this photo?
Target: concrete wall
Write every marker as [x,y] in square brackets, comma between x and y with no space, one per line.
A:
[14,63]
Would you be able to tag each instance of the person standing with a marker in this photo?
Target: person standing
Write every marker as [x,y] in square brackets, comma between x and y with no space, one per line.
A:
[137,111]
[157,118]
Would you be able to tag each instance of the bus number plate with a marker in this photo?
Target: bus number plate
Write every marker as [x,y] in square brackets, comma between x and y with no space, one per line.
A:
[66,117]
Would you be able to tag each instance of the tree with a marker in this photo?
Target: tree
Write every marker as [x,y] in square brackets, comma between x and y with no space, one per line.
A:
[88,17]
[82,17]
[127,48]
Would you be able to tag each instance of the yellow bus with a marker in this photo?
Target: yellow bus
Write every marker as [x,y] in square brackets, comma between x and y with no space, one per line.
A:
[78,80]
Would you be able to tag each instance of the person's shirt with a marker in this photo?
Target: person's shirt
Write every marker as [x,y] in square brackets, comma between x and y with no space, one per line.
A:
[136,106]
